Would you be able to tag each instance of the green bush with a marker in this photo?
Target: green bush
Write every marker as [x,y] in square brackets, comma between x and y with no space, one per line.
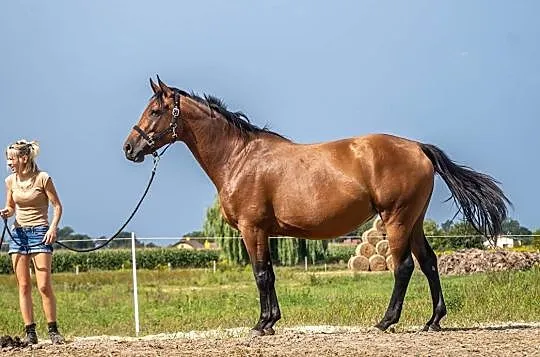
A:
[339,252]
[116,259]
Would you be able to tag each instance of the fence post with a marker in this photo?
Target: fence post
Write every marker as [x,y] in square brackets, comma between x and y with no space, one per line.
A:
[305,262]
[135,294]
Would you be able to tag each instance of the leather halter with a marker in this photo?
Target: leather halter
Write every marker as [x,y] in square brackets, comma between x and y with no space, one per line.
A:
[152,139]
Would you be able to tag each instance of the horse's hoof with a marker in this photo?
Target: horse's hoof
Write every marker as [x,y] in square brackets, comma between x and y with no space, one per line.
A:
[435,327]
[269,331]
[256,333]
[381,326]
[426,328]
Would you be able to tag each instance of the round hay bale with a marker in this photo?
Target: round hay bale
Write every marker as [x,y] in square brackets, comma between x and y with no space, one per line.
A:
[382,248]
[377,263]
[378,224]
[372,236]
[390,262]
[359,263]
[365,249]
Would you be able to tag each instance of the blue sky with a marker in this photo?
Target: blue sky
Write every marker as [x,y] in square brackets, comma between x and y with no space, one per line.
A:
[74,75]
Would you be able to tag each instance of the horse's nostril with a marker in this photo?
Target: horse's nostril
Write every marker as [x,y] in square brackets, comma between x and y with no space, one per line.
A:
[127,148]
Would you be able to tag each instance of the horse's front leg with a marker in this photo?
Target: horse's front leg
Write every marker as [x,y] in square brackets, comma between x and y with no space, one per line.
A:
[256,241]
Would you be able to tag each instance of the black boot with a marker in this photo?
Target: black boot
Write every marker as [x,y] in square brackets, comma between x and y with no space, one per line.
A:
[31,335]
[56,337]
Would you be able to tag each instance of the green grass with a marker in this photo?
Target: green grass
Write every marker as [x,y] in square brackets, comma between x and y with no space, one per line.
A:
[100,303]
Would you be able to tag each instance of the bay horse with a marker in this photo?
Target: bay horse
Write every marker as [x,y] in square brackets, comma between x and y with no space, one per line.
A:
[269,185]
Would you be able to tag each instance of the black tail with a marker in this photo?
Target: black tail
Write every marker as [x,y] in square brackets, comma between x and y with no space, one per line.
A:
[482,201]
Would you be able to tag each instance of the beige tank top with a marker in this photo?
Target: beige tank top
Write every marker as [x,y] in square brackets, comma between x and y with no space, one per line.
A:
[31,201]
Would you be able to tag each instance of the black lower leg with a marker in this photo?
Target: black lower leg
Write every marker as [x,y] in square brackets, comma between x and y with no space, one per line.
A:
[270,312]
[402,276]
[428,264]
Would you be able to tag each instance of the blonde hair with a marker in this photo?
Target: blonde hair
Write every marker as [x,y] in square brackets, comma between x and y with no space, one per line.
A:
[25,148]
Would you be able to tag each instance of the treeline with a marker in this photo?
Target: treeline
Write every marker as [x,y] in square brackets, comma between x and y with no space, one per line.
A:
[82,241]
[456,235]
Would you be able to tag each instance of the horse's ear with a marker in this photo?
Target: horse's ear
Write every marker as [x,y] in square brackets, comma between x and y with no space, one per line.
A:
[154,86]
[166,90]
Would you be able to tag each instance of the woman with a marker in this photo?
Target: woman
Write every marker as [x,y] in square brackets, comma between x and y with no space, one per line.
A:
[28,193]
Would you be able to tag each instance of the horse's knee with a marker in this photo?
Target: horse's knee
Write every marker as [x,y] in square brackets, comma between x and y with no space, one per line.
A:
[404,269]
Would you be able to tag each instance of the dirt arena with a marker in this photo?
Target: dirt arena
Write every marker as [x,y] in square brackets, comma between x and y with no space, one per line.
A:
[507,340]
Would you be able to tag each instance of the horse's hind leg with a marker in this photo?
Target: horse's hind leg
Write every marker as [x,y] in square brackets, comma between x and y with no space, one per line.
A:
[257,245]
[428,263]
[398,233]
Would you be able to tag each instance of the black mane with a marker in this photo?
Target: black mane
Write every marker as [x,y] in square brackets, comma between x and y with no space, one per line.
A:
[236,119]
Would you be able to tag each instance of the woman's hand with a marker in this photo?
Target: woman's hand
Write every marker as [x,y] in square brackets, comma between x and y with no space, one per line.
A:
[5,213]
[50,236]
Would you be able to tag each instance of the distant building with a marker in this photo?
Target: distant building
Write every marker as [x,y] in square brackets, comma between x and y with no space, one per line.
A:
[504,242]
[194,243]
[188,243]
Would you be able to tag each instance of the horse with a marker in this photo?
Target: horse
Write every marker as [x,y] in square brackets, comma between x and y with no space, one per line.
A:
[270,186]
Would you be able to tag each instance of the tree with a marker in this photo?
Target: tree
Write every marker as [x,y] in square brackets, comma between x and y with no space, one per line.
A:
[512,227]
[434,234]
[455,236]
[67,236]
[64,232]
[120,241]
[464,236]
[446,226]
[194,234]
[227,237]
[431,228]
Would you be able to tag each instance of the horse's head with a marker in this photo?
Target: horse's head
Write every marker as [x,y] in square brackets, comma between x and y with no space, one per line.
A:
[159,123]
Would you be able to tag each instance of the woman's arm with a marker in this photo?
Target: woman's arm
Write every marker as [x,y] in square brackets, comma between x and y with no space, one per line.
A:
[9,210]
[50,190]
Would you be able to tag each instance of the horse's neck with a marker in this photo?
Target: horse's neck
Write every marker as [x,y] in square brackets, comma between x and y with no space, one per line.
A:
[215,144]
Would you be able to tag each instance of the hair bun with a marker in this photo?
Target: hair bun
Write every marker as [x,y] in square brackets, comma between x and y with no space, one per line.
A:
[34,148]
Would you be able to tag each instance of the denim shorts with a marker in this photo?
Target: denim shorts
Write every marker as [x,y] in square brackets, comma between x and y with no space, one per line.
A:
[27,240]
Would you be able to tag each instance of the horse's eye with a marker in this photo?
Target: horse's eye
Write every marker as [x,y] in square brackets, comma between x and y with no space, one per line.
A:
[155,113]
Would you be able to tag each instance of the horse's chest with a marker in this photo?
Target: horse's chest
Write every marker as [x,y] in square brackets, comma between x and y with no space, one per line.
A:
[240,206]
[228,215]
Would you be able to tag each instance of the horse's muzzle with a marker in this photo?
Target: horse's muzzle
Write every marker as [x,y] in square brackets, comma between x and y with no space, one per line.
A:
[133,155]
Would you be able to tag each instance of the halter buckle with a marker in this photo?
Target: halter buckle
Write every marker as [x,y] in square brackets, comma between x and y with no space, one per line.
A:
[173,130]
[175,112]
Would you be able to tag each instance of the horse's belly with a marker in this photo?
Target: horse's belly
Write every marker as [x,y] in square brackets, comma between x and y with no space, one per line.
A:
[313,218]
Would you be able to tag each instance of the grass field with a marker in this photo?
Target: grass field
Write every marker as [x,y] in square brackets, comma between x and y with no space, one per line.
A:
[100,303]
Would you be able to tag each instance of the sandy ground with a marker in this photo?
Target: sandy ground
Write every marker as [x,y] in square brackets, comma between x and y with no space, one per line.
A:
[506,340]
